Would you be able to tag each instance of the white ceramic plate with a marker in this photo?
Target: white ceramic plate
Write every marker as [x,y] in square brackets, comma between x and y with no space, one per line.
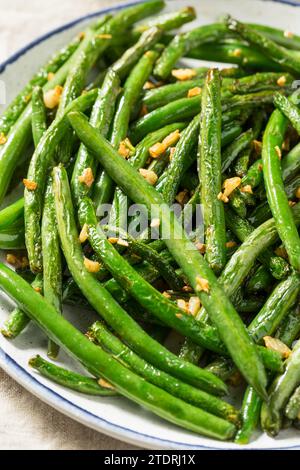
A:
[119,417]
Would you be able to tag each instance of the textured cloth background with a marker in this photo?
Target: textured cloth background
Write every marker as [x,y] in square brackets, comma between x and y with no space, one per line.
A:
[25,421]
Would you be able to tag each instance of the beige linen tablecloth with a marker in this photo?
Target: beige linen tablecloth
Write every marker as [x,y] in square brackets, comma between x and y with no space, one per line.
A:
[25,421]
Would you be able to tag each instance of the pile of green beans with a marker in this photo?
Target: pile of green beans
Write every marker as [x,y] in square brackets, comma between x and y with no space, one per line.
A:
[210,157]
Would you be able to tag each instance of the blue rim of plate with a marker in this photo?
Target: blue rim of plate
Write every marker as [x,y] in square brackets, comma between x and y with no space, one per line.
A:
[45,393]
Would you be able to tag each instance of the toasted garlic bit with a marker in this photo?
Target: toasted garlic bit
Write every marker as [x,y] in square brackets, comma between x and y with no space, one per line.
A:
[52,97]
[281,81]
[237,53]
[201,247]
[297,193]
[37,289]
[178,315]
[157,150]
[257,146]
[103,36]
[123,150]
[30,185]
[187,289]
[113,240]
[292,203]
[281,251]
[194,306]
[91,266]
[171,139]
[122,242]
[50,76]
[148,85]
[202,284]
[87,177]
[286,144]
[155,223]
[182,304]
[278,151]
[104,384]
[194,92]
[81,35]
[288,34]
[3,138]
[84,234]
[182,197]
[166,295]
[149,176]
[230,244]
[143,111]
[229,185]
[184,74]
[19,262]
[247,189]
[276,345]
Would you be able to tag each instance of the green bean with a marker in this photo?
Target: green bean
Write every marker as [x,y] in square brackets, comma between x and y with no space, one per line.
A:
[278,201]
[230,326]
[105,305]
[231,152]
[289,328]
[157,97]
[261,280]
[291,41]
[276,307]
[279,393]
[287,59]
[183,43]
[168,21]
[292,409]
[10,215]
[39,117]
[39,164]
[209,165]
[175,387]
[18,319]
[288,109]
[101,117]
[254,175]
[290,164]
[102,364]
[234,52]
[278,267]
[127,101]
[242,162]
[52,268]
[19,103]
[250,416]
[260,82]
[12,239]
[69,379]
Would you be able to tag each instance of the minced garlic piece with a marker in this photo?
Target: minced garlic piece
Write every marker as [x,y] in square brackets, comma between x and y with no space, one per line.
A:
[292,203]
[223,198]
[194,305]
[257,145]
[288,34]
[50,76]
[182,197]
[155,223]
[52,97]
[182,304]
[281,81]
[148,85]
[30,185]
[37,289]
[247,189]
[87,177]
[202,284]
[149,176]
[104,384]
[278,151]
[201,247]
[171,139]
[20,262]
[184,74]
[84,234]
[81,35]
[113,240]
[166,295]
[229,185]
[230,244]
[157,150]
[91,266]
[276,345]
[237,53]
[281,251]
[122,242]
[178,315]
[187,289]
[194,92]
[286,144]
[3,138]
[172,151]
[123,150]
